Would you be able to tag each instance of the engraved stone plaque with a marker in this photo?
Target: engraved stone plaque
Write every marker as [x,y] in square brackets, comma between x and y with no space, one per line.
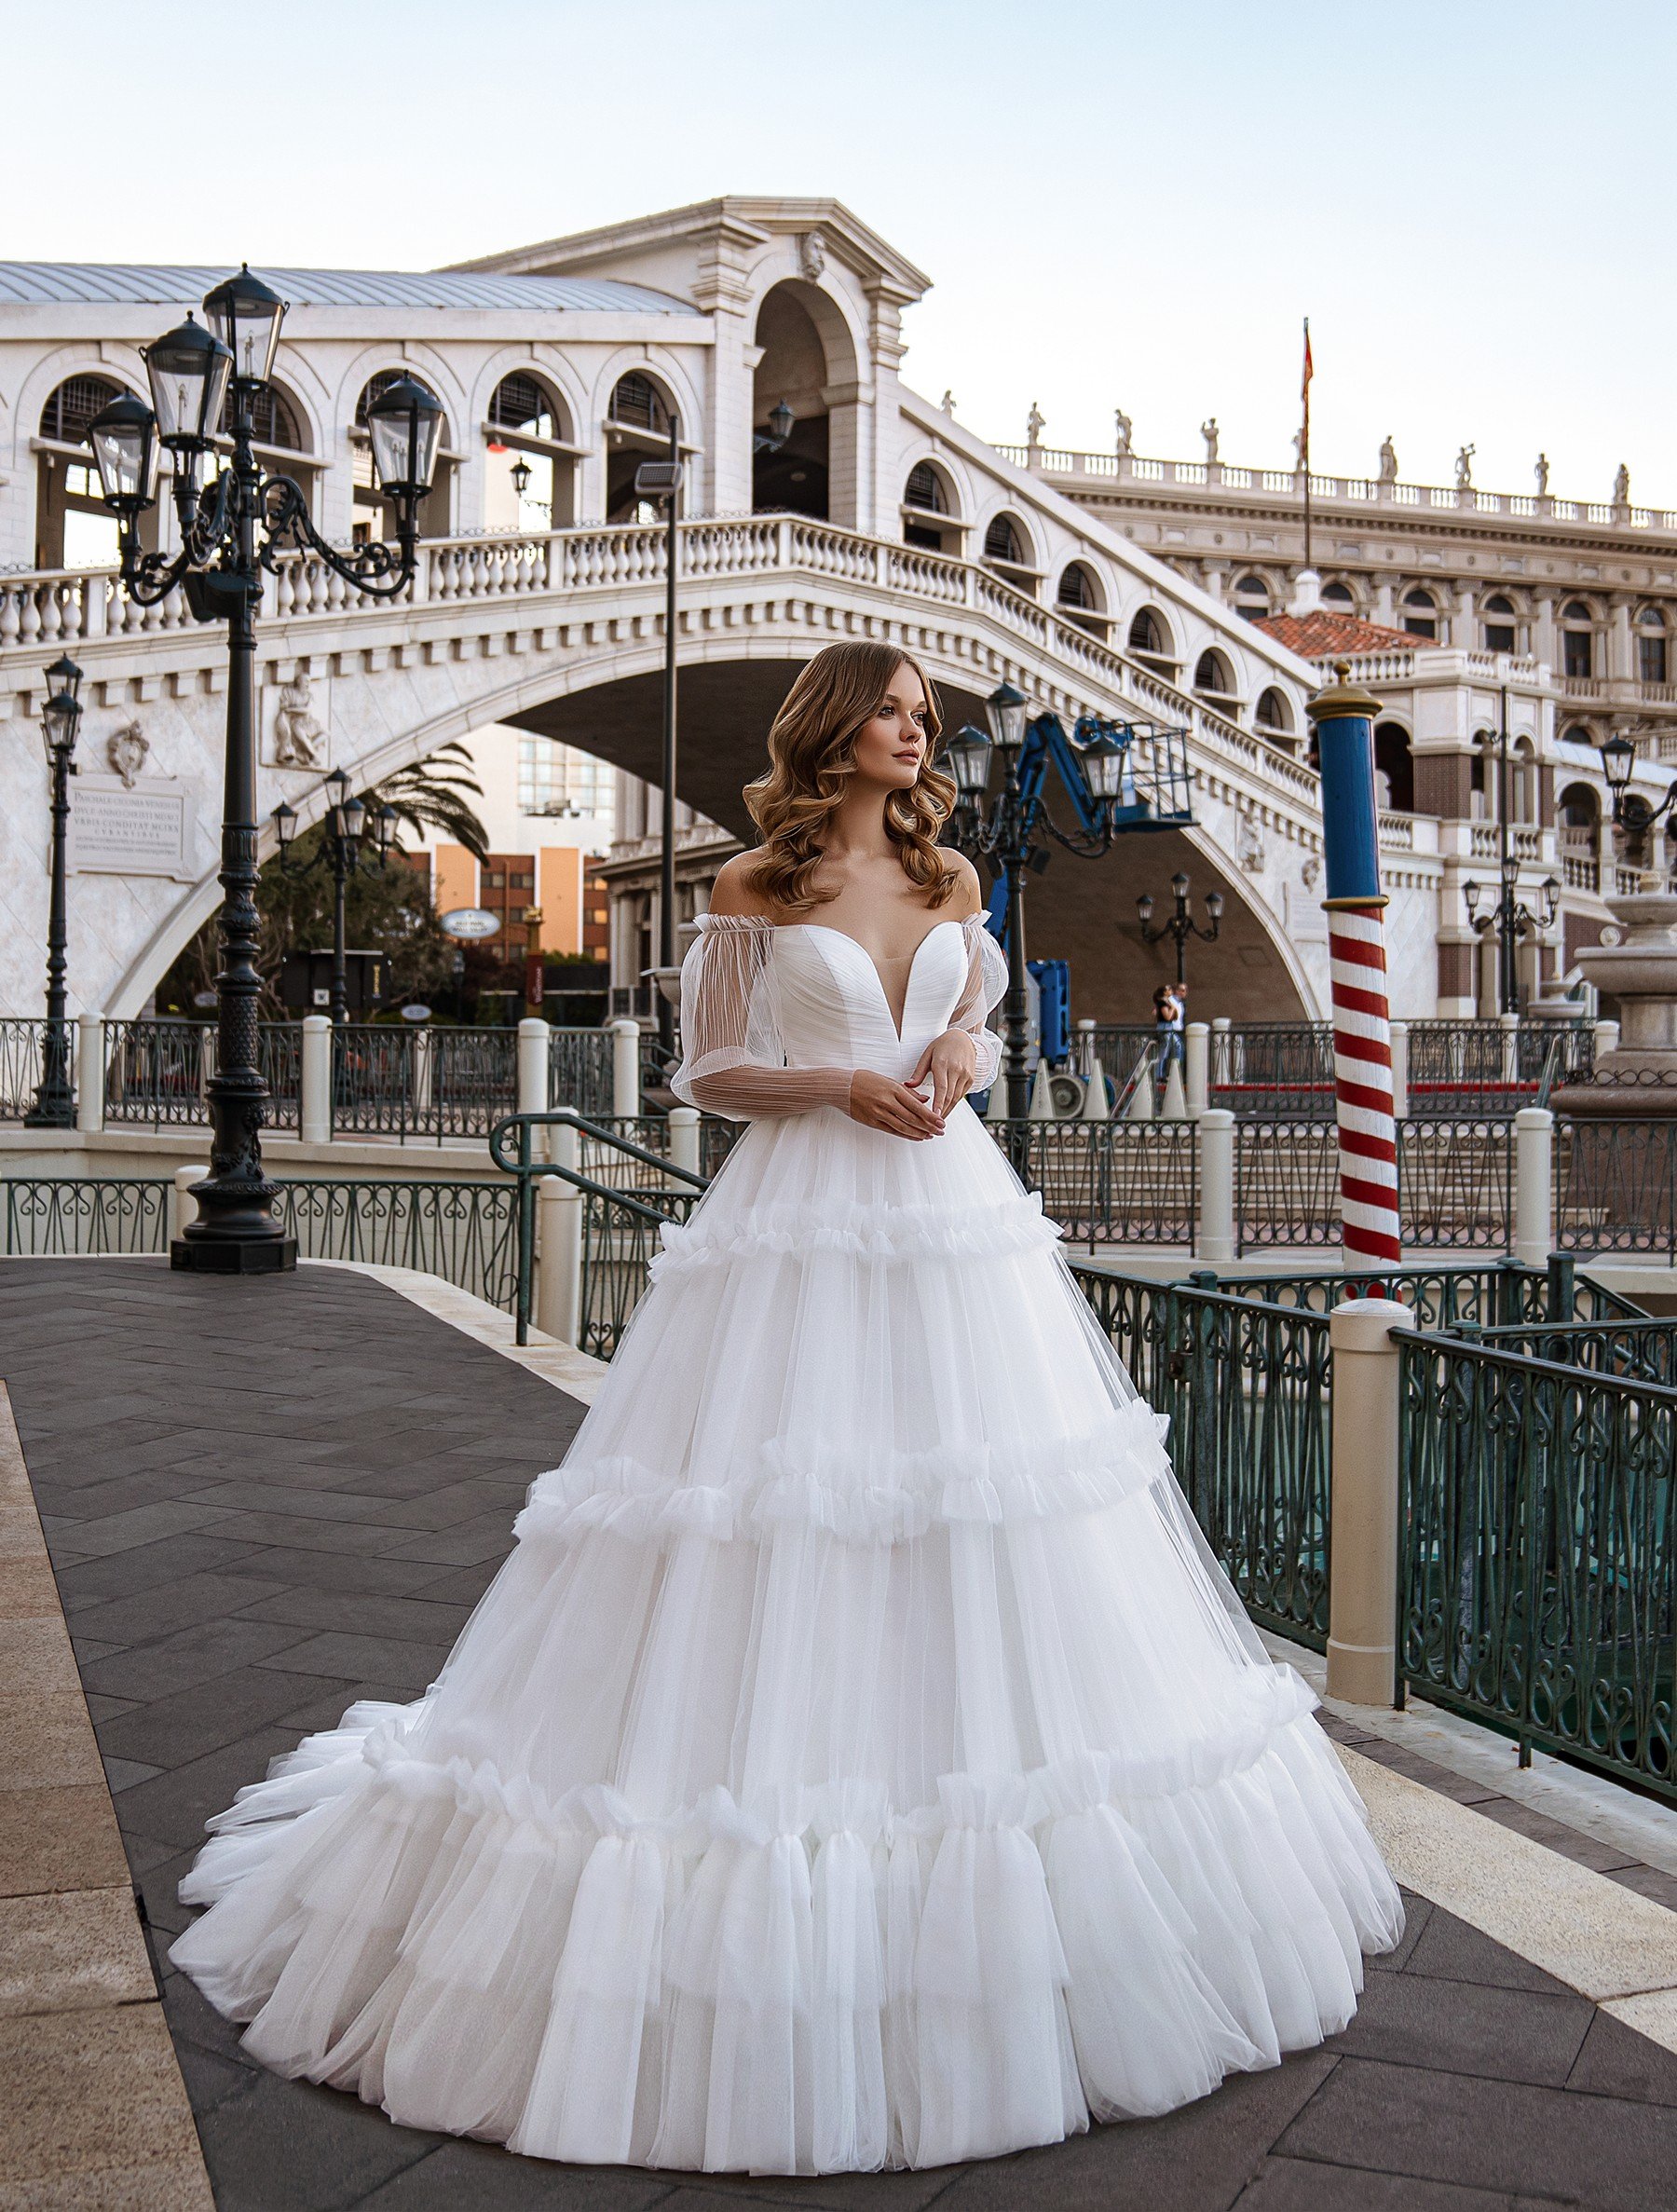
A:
[142,831]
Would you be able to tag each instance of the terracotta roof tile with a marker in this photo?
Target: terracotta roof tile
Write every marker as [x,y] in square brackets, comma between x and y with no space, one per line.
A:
[1326,635]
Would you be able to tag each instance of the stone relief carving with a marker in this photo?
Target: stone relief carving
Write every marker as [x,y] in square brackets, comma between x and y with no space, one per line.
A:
[299,735]
[811,254]
[1248,845]
[1312,870]
[126,750]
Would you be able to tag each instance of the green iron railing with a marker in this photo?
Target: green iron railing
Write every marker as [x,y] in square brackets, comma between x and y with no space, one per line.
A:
[1643,1351]
[61,1214]
[1246,1387]
[1538,1551]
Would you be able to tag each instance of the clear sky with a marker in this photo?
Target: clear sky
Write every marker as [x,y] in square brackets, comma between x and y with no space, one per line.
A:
[1118,202]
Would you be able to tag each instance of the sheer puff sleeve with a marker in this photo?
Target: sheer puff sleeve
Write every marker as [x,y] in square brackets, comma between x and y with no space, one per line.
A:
[985,986]
[733,1060]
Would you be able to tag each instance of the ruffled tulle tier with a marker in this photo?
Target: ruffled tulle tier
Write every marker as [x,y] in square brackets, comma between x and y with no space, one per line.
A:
[859,1760]
[809,1982]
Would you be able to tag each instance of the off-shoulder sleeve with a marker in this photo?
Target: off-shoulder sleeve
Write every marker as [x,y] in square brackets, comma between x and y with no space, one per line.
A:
[732,1059]
[985,986]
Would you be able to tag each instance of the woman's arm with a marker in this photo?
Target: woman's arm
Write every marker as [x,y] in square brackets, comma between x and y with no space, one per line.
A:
[968,1053]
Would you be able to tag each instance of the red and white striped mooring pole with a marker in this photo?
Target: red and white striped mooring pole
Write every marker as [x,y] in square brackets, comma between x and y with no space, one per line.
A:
[1344,717]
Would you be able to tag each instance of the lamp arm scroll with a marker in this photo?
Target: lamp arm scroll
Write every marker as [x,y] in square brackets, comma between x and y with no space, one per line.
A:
[381,570]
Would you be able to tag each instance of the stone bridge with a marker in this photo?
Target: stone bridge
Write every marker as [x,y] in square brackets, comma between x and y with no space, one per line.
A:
[564,633]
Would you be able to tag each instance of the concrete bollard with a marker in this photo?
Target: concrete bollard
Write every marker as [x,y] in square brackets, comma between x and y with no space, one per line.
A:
[1400,1070]
[315,1115]
[1606,1040]
[1215,1239]
[1533,1186]
[684,1138]
[532,1093]
[559,1245]
[90,1072]
[182,1206]
[1362,1569]
[625,1068]
[1196,1043]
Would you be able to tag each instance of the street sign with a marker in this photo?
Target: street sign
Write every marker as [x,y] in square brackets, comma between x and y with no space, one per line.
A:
[469,922]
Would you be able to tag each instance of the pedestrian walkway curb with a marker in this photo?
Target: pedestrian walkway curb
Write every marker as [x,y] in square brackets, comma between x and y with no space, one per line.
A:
[96,2112]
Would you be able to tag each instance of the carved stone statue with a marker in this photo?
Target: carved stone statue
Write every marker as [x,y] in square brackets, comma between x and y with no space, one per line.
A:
[1122,424]
[1312,870]
[299,737]
[1299,451]
[1541,473]
[1621,487]
[1463,468]
[811,254]
[949,402]
[1209,432]
[1036,422]
[1388,460]
[1249,844]
[126,750]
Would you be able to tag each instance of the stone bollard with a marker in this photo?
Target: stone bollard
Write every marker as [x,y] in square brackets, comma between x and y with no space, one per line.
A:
[1362,1569]
[531,1096]
[1175,1105]
[90,1072]
[1196,1043]
[1534,1185]
[313,1121]
[684,1138]
[182,1206]
[559,1244]
[1606,1040]
[1400,1070]
[625,1068]
[1215,1239]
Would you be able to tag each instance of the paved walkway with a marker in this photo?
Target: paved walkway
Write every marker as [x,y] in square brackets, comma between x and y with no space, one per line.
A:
[265,1499]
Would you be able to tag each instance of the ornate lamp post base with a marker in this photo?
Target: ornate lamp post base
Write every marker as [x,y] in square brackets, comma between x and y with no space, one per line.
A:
[229,1255]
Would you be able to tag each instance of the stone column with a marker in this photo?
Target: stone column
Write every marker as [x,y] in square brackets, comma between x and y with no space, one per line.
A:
[1362,1573]
[314,1120]
[90,1072]
[1215,1242]
[625,1068]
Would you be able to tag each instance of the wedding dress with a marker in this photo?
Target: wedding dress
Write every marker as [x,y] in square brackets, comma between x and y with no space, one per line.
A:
[860,1760]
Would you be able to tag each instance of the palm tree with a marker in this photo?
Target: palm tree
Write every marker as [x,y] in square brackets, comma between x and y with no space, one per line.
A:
[436,792]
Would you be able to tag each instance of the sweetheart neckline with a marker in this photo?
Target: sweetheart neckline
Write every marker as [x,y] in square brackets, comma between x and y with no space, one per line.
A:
[951,921]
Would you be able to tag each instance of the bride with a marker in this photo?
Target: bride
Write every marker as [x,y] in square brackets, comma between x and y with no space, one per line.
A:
[861,1760]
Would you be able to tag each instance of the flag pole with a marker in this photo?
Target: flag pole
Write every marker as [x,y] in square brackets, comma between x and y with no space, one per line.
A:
[1304,443]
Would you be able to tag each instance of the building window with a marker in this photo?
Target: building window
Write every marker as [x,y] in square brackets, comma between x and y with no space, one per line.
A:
[1273,717]
[272,421]
[1252,597]
[521,405]
[1500,633]
[1077,589]
[637,403]
[1419,614]
[1149,639]
[72,406]
[559,780]
[925,489]
[1577,634]
[1650,646]
[1211,677]
[1003,544]
[1338,594]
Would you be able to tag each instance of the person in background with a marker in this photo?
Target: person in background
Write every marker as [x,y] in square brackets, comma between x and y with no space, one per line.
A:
[1170,1016]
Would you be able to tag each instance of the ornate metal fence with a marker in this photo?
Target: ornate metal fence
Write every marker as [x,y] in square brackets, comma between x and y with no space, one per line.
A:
[1479,1295]
[1639,1351]
[1286,1184]
[1274,1071]
[579,1073]
[1245,1386]
[1539,1551]
[62,1214]
[464,1232]
[1109,1183]
[1615,1186]
[1455,1182]
[156,1072]
[22,1042]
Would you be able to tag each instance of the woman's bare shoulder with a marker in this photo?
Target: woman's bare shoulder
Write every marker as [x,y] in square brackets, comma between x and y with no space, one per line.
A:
[733,891]
[967,898]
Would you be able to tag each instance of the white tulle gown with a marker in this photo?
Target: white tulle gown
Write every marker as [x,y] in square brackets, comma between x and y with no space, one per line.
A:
[860,1760]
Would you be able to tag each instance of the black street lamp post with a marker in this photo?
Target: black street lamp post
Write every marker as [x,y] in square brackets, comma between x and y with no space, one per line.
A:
[1180,924]
[1004,830]
[1510,921]
[233,528]
[339,851]
[660,481]
[54,1106]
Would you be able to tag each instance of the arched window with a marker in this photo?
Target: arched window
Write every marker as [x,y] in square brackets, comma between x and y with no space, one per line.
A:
[1004,543]
[1338,594]
[1420,613]
[1077,588]
[1150,641]
[1501,634]
[637,404]
[1522,781]
[1579,809]
[74,529]
[1212,677]
[926,488]
[1651,661]
[523,406]
[1274,717]
[1394,768]
[65,417]
[1578,640]
[1252,597]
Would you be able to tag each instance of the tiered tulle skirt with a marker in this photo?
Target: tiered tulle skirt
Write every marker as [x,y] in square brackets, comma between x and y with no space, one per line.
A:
[859,1761]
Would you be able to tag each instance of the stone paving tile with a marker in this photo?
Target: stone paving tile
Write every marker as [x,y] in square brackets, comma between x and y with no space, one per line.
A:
[126,1574]
[1617,2062]
[457,2175]
[361,1658]
[417,1619]
[280,2146]
[1612,2154]
[201,1653]
[1650,1881]
[1304,2185]
[173,1806]
[1450,1951]
[171,1730]
[1511,2035]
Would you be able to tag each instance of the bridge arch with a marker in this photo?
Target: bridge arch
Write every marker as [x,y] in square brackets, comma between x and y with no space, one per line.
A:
[809,361]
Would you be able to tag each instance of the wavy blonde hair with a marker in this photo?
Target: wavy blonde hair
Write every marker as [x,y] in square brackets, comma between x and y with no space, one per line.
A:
[811,760]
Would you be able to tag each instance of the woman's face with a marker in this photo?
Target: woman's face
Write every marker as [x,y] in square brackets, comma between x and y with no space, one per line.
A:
[891,748]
